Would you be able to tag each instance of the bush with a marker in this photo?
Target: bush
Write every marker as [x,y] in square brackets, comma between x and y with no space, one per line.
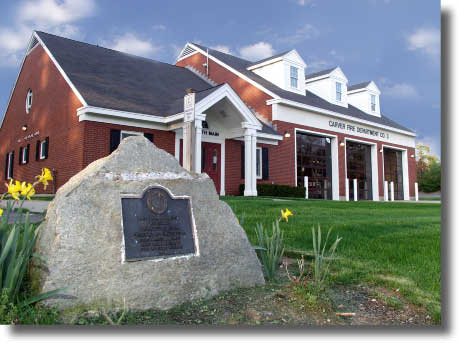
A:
[430,179]
[270,249]
[277,190]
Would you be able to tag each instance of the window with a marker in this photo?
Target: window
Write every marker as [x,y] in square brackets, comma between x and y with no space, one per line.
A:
[42,150]
[338,91]
[29,98]
[25,155]
[373,102]
[9,166]
[293,77]
[125,134]
[259,166]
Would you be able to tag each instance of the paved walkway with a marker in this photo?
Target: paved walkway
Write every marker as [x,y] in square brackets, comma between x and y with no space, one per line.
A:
[38,206]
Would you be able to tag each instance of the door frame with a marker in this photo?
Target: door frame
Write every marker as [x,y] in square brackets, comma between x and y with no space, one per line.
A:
[204,138]
[406,181]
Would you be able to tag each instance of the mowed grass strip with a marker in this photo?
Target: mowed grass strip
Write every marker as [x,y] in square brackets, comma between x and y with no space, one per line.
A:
[391,244]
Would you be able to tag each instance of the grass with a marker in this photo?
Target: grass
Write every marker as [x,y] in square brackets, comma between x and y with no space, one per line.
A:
[430,198]
[395,245]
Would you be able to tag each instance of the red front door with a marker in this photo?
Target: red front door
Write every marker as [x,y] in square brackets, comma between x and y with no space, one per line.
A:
[210,162]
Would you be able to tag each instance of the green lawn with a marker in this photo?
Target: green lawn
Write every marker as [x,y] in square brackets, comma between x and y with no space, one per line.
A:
[395,245]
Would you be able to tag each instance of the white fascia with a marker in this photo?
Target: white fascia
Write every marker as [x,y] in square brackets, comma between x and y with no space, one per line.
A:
[234,71]
[335,114]
[265,63]
[64,75]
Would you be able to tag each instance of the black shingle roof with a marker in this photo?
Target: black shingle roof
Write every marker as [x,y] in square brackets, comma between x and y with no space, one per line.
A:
[271,57]
[310,98]
[358,86]
[111,79]
[319,73]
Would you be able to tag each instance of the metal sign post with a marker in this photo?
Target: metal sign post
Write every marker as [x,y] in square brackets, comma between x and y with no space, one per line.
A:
[189,128]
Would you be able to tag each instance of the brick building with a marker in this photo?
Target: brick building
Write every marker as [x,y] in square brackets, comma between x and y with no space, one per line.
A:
[256,122]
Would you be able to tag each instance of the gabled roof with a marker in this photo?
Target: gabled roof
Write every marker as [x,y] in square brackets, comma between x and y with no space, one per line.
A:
[240,65]
[270,58]
[111,79]
[320,73]
[358,86]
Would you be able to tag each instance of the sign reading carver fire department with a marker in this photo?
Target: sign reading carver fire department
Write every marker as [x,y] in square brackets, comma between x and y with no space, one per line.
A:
[189,108]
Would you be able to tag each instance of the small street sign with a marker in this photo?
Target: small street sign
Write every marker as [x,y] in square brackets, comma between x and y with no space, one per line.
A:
[189,108]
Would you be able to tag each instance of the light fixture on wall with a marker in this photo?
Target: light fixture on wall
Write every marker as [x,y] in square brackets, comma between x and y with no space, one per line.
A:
[342,143]
[287,134]
[412,156]
[24,127]
[381,150]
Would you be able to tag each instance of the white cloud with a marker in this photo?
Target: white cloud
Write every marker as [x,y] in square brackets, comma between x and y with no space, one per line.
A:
[307,31]
[54,16]
[316,65]
[400,91]
[222,48]
[131,44]
[159,27]
[305,3]
[256,51]
[426,40]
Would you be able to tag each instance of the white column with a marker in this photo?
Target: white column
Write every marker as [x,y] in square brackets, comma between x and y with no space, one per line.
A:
[355,190]
[248,164]
[416,191]
[306,186]
[406,182]
[197,146]
[335,168]
[185,132]
[374,172]
[392,191]
[254,163]
[347,189]
[386,191]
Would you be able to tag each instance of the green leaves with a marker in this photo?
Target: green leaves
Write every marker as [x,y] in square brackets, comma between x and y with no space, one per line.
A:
[16,249]
[270,249]
[320,267]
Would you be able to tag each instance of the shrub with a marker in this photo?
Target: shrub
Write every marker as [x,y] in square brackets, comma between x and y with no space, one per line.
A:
[270,249]
[277,190]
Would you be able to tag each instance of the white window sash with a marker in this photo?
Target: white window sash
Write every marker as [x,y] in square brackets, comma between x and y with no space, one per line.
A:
[129,133]
[42,150]
[10,156]
[259,171]
[23,157]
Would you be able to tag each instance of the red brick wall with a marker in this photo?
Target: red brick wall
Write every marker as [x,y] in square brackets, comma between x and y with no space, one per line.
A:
[53,114]
[284,170]
[246,91]
[97,139]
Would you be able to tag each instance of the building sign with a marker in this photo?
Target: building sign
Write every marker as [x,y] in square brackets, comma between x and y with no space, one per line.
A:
[189,108]
[210,133]
[31,135]
[357,129]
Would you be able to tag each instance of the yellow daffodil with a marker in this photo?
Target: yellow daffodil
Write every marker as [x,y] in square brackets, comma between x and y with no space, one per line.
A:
[14,189]
[1,212]
[27,190]
[284,215]
[44,177]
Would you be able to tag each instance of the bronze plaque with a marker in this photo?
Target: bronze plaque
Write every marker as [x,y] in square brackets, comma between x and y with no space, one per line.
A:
[156,225]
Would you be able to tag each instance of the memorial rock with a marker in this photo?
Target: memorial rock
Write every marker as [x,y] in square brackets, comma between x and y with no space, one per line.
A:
[137,227]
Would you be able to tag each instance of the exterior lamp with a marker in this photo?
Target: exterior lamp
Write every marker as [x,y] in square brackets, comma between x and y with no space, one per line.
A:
[412,156]
[287,134]
[342,143]
[24,127]
[381,150]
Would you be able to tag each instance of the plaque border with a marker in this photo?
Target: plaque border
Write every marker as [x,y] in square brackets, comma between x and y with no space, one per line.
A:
[173,197]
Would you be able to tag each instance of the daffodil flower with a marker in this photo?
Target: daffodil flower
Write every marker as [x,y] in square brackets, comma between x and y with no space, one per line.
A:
[284,215]
[14,189]
[1,212]
[44,177]
[28,190]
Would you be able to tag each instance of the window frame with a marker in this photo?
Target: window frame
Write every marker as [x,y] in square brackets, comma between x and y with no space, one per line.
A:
[259,161]
[29,100]
[338,91]
[24,154]
[9,168]
[42,155]
[372,96]
[294,77]
[130,133]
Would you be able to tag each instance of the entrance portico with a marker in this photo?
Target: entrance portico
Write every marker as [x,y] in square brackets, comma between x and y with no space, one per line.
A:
[220,115]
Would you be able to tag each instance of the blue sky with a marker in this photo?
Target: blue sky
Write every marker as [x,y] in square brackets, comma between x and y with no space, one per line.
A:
[395,43]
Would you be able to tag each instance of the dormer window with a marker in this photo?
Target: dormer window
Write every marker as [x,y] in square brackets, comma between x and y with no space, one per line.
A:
[293,77]
[339,91]
[29,98]
[373,102]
